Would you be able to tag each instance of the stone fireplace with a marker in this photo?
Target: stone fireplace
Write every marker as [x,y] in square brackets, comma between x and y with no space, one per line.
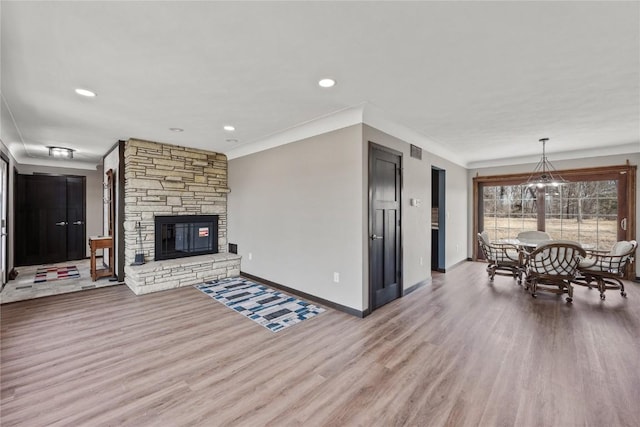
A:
[162,181]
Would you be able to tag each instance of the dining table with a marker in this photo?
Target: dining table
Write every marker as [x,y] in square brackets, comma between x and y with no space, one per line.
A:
[531,245]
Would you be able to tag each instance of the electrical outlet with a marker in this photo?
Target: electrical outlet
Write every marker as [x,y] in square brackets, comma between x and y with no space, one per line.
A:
[457,248]
[250,256]
[336,277]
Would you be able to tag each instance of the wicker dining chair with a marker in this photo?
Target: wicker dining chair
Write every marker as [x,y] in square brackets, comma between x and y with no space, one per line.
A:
[553,266]
[607,268]
[504,258]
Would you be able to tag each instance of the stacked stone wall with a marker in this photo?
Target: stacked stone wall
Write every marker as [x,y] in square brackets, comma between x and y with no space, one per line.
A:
[163,179]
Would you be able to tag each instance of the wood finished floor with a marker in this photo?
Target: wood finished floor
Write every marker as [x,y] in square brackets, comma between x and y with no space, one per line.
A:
[459,352]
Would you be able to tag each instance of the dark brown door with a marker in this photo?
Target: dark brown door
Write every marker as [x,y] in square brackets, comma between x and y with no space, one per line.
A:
[49,219]
[76,244]
[384,225]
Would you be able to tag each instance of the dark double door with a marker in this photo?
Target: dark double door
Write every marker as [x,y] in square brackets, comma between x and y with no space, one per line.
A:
[385,263]
[50,219]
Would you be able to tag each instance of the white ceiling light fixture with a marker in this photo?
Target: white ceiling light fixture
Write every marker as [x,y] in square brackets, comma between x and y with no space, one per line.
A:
[326,83]
[85,92]
[176,129]
[544,174]
[61,152]
[229,128]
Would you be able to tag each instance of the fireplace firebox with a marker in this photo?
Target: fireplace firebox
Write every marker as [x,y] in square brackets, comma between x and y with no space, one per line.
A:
[181,236]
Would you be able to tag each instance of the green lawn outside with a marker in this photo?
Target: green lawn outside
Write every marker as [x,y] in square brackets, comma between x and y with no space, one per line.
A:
[602,233]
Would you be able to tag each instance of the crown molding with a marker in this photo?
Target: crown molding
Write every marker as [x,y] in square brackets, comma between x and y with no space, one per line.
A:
[379,119]
[364,113]
[340,119]
[631,148]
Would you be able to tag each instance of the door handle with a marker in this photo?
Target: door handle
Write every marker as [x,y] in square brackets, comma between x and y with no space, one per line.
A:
[61,223]
[374,237]
[623,224]
[78,223]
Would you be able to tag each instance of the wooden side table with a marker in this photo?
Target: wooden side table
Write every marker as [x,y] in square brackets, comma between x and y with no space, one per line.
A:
[101,242]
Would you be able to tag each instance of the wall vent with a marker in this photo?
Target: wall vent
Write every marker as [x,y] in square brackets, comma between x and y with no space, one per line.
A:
[416,152]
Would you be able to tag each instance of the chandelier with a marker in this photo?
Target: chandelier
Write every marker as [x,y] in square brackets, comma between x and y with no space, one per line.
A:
[544,174]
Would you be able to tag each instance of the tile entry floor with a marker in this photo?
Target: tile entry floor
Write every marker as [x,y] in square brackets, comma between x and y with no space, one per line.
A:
[23,288]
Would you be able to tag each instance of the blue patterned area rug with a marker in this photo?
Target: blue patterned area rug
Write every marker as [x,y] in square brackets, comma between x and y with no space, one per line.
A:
[272,309]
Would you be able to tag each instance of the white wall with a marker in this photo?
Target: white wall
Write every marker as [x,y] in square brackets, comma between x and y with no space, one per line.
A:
[298,210]
[93,197]
[622,159]
[416,221]
[301,211]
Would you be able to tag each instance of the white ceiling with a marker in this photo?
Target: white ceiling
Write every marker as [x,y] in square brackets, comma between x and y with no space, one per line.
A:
[475,82]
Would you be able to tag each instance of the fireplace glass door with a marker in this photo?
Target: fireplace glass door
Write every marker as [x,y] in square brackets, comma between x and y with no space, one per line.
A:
[182,236]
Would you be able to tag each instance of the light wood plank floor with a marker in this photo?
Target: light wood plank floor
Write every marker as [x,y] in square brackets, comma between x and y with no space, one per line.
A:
[459,352]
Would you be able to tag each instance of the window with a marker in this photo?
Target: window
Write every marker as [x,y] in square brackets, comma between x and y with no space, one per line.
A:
[508,210]
[597,206]
[584,211]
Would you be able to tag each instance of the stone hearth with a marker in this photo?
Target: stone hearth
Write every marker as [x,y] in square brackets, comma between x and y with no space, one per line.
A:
[174,273]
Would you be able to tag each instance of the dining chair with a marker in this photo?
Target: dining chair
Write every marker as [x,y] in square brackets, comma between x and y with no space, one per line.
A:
[504,258]
[552,267]
[607,268]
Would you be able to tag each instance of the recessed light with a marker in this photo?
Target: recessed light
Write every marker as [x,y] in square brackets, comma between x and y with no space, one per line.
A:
[85,92]
[232,140]
[176,129]
[327,83]
[229,128]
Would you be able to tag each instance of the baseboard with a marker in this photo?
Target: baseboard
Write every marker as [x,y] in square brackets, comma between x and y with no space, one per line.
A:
[331,304]
[417,286]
